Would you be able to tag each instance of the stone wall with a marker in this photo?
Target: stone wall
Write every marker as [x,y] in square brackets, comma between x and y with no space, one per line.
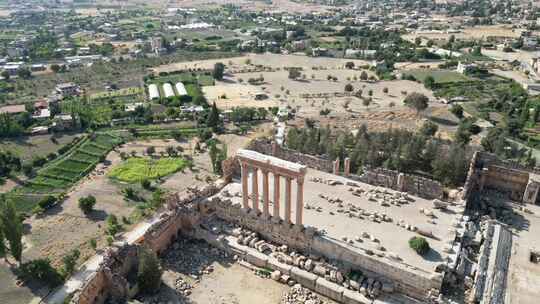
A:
[271,148]
[487,171]
[412,184]
[379,177]
[181,214]
[408,280]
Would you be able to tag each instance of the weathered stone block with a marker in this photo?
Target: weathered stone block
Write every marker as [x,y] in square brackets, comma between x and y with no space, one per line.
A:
[276,265]
[329,289]
[256,258]
[354,297]
[303,277]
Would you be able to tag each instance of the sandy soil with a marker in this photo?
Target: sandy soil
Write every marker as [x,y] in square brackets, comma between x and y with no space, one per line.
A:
[524,276]
[221,286]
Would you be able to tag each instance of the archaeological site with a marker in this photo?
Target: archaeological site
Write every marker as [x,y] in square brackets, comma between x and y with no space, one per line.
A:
[309,222]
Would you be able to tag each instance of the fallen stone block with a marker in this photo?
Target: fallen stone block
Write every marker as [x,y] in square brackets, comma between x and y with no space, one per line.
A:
[354,297]
[303,277]
[329,289]
[276,265]
[256,258]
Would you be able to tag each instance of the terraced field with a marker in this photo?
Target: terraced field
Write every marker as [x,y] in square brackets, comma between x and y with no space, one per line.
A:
[59,175]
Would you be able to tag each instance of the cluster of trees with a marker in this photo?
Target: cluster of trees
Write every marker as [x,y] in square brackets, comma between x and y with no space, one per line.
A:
[10,126]
[400,150]
[247,114]
[8,163]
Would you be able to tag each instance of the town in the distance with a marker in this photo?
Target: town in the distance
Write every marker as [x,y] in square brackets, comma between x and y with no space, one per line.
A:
[269,152]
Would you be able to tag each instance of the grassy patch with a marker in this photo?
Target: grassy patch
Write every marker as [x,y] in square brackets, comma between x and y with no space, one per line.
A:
[440,76]
[137,169]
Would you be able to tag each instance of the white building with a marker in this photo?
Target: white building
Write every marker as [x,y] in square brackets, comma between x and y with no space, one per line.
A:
[153,91]
[180,89]
[168,90]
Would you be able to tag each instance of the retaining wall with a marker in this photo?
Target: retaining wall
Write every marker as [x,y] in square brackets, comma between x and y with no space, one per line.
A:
[408,280]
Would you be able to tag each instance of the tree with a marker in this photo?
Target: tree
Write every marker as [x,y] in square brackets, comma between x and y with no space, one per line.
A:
[55,68]
[349,87]
[12,228]
[3,249]
[363,76]
[150,150]
[366,102]
[429,82]
[417,101]
[86,204]
[170,151]
[294,73]
[349,65]
[457,110]
[385,90]
[5,75]
[149,271]
[429,129]
[419,244]
[24,73]
[418,41]
[217,73]
[213,120]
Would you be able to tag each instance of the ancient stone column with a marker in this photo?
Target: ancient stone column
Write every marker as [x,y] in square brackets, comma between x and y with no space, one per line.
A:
[288,200]
[401,182]
[255,189]
[245,190]
[336,167]
[299,200]
[277,194]
[347,164]
[266,200]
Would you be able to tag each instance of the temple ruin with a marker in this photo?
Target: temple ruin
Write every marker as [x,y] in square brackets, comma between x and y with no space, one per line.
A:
[346,235]
[252,162]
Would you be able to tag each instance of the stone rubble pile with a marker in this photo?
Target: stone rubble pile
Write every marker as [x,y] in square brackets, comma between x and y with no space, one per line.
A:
[300,295]
[369,287]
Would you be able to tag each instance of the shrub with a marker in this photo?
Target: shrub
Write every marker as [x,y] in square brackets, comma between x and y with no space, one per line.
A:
[69,261]
[86,204]
[93,243]
[40,270]
[113,227]
[38,161]
[47,202]
[146,184]
[419,244]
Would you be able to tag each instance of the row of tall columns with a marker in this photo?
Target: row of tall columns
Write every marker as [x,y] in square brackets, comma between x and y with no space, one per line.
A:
[346,167]
[255,198]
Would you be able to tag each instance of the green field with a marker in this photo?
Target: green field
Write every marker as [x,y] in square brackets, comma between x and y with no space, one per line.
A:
[440,76]
[137,169]
[63,172]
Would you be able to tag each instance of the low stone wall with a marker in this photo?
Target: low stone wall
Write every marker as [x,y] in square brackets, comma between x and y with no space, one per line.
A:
[182,214]
[413,184]
[272,148]
[411,281]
